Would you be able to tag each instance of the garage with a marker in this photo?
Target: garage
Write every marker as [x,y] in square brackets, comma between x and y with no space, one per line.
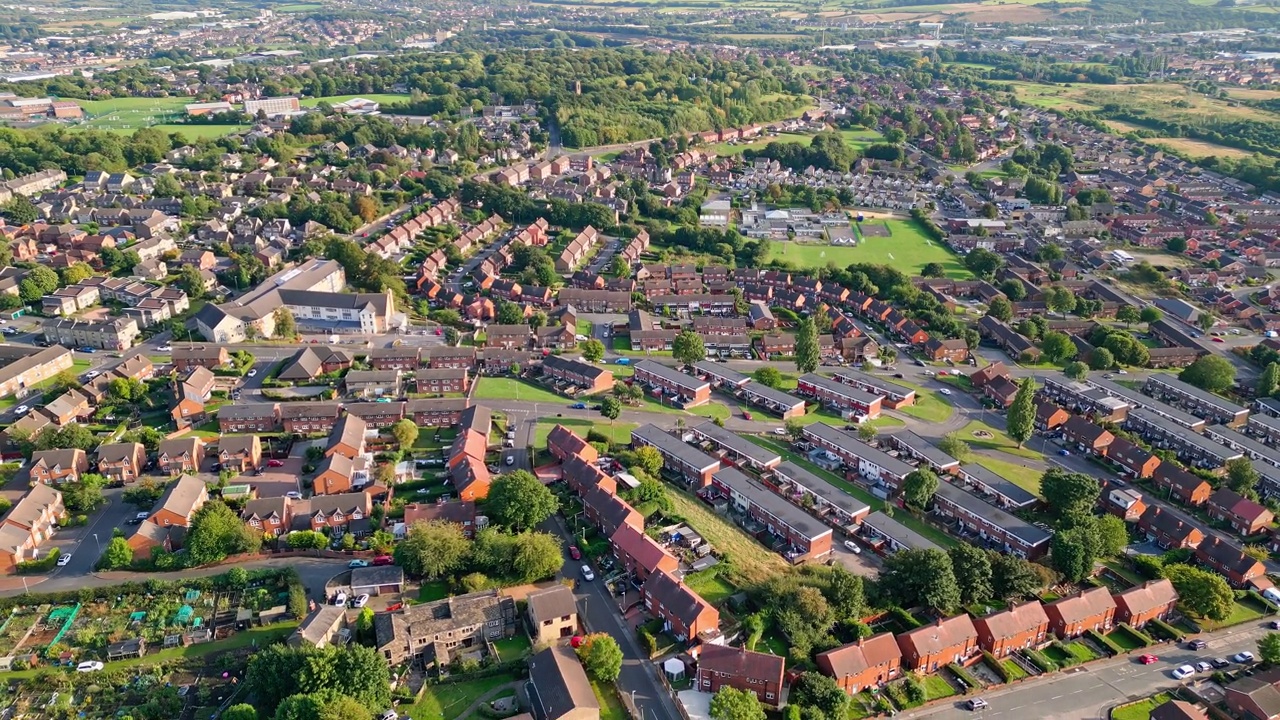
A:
[377,580]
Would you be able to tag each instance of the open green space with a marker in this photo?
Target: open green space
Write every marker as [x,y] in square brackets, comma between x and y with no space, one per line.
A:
[1125,639]
[437,590]
[610,704]
[861,138]
[750,563]
[619,433]
[998,440]
[447,702]
[907,248]
[299,8]
[513,647]
[937,687]
[495,388]
[381,98]
[1240,613]
[1140,710]
[738,148]
[930,406]
[932,533]
[708,583]
[622,346]
[1027,478]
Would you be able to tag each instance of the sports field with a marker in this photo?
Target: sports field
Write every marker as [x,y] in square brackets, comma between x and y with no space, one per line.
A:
[381,98]
[907,248]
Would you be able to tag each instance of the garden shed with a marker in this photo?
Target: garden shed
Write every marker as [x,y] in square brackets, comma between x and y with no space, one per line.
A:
[132,648]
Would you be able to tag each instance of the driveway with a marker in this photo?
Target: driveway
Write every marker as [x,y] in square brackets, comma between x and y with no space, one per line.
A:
[276,481]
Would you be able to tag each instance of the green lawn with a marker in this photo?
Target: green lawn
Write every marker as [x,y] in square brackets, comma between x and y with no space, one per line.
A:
[709,410]
[1027,478]
[1125,639]
[437,590]
[494,388]
[512,647]
[622,346]
[1240,613]
[935,535]
[708,583]
[382,98]
[610,704]
[619,432]
[584,327]
[446,702]
[861,138]
[1013,669]
[998,441]
[907,248]
[750,563]
[937,687]
[831,418]
[929,406]
[1140,710]
[738,148]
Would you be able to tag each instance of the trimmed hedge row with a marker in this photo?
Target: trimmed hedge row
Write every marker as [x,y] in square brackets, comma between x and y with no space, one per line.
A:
[1103,641]
[997,666]
[965,677]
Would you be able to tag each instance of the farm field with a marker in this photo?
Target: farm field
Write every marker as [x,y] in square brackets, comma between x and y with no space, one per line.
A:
[382,98]
[1156,99]
[1197,148]
[907,248]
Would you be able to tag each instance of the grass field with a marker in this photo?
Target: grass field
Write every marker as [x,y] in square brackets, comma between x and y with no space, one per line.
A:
[1197,148]
[492,388]
[1140,710]
[708,583]
[382,98]
[861,138]
[1169,101]
[739,148]
[1027,478]
[618,432]
[751,563]
[930,405]
[907,248]
[998,441]
[446,702]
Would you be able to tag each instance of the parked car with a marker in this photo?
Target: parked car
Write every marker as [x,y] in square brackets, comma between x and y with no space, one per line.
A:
[340,599]
[1197,645]
[1182,672]
[978,704]
[360,601]
[587,574]
[746,415]
[384,560]
[141,516]
[1219,663]
[578,406]
[1243,657]
[253,372]
[275,463]
[945,391]
[511,460]
[1064,452]
[358,564]
[1203,666]
[293,495]
[21,410]
[89,666]
[88,350]
[779,431]
[1147,659]
[852,547]
[574,552]
[1274,624]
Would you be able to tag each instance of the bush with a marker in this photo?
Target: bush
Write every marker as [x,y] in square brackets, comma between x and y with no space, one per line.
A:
[965,677]
[914,690]
[1068,658]
[904,617]
[997,667]
[44,564]
[648,642]
[1166,630]
[1037,658]
[1138,634]
[1105,642]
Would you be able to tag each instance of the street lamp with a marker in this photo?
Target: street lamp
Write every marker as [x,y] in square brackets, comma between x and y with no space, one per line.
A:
[95,542]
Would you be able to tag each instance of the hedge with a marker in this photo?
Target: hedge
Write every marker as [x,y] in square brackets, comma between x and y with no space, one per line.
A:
[904,617]
[1144,638]
[1169,631]
[1038,659]
[44,564]
[996,666]
[1105,642]
[965,677]
[1068,658]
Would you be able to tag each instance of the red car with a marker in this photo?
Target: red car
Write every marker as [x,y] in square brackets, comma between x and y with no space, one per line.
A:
[275,463]
[574,552]
[1218,339]
[1147,659]
[746,415]
[384,560]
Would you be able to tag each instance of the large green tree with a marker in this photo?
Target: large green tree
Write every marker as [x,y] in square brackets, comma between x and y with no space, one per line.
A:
[1201,592]
[688,347]
[733,704]
[1072,553]
[216,532]
[919,486]
[972,568]
[921,577]
[815,690]
[1013,578]
[519,501]
[808,354]
[1070,496]
[1211,373]
[433,549]
[1021,418]
[601,657]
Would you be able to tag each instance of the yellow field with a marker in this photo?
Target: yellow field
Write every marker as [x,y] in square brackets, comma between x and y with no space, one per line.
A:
[1252,93]
[1198,148]
[1167,100]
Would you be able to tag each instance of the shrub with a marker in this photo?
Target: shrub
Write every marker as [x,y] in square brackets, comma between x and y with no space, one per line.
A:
[1141,636]
[904,617]
[914,690]
[44,564]
[648,642]
[1103,641]
[1037,658]
[1168,631]
[1068,658]
[996,666]
[965,676]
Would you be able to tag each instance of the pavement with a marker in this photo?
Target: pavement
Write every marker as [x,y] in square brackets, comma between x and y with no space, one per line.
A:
[1090,691]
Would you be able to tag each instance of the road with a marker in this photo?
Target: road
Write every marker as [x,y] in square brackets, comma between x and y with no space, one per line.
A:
[1090,691]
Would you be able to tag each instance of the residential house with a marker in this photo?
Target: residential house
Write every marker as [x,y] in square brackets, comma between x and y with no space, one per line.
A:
[1091,609]
[180,455]
[180,502]
[1017,628]
[944,641]
[551,614]
[1244,516]
[122,462]
[558,687]
[1154,599]
[436,631]
[240,453]
[1168,531]
[867,663]
[1178,484]
[758,673]
[1230,561]
[52,467]
[684,614]
[1256,697]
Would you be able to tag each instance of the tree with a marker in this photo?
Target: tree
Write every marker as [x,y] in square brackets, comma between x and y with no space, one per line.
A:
[75,272]
[1076,370]
[519,501]
[808,354]
[1269,381]
[955,446]
[21,211]
[1000,309]
[433,549]
[972,568]
[933,270]
[866,432]
[1241,477]
[593,350]
[192,281]
[1060,299]
[216,532]
[649,459]
[1211,373]
[601,657]
[1110,535]
[537,556]
[1205,321]
[1269,648]
[1101,359]
[1072,553]
[1128,315]
[620,266]
[405,432]
[1176,245]
[921,577]
[918,487]
[1150,314]
[1012,577]
[243,711]
[1021,419]
[1070,496]
[983,262]
[508,313]
[127,389]
[40,281]
[1057,346]
[286,326]
[688,348]
[117,555]
[1201,592]
[302,706]
[610,407]
[278,671]
[815,690]
[733,704]
[770,377]
[306,540]
[345,708]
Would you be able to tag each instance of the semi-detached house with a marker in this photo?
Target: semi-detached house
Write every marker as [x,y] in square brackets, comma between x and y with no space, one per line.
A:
[684,613]
[868,663]
[1085,610]
[1017,628]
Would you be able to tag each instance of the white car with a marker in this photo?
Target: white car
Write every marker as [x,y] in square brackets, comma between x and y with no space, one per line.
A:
[89,666]
[852,547]
[165,348]
[587,574]
[1243,657]
[1183,672]
[945,391]
[779,431]
[66,558]
[1204,667]
[511,459]
[340,599]
[360,601]
[253,372]
[21,410]
[92,374]
[141,516]
[293,495]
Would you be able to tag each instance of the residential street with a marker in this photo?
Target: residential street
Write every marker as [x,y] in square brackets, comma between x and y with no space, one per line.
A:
[1089,691]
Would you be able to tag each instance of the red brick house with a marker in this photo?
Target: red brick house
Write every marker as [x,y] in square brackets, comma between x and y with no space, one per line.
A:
[758,673]
[1177,483]
[1150,600]
[1230,561]
[610,512]
[869,662]
[1256,697]
[58,466]
[683,612]
[640,554]
[982,376]
[1087,436]
[948,640]
[1245,516]
[1135,461]
[1050,417]
[180,455]
[1091,609]
[956,351]
[1168,531]
[1017,628]
[270,516]
[564,443]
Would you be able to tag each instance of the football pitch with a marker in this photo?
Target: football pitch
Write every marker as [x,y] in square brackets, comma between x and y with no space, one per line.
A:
[906,248]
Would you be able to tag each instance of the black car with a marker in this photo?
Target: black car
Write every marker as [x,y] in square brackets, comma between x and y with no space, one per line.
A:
[1219,663]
